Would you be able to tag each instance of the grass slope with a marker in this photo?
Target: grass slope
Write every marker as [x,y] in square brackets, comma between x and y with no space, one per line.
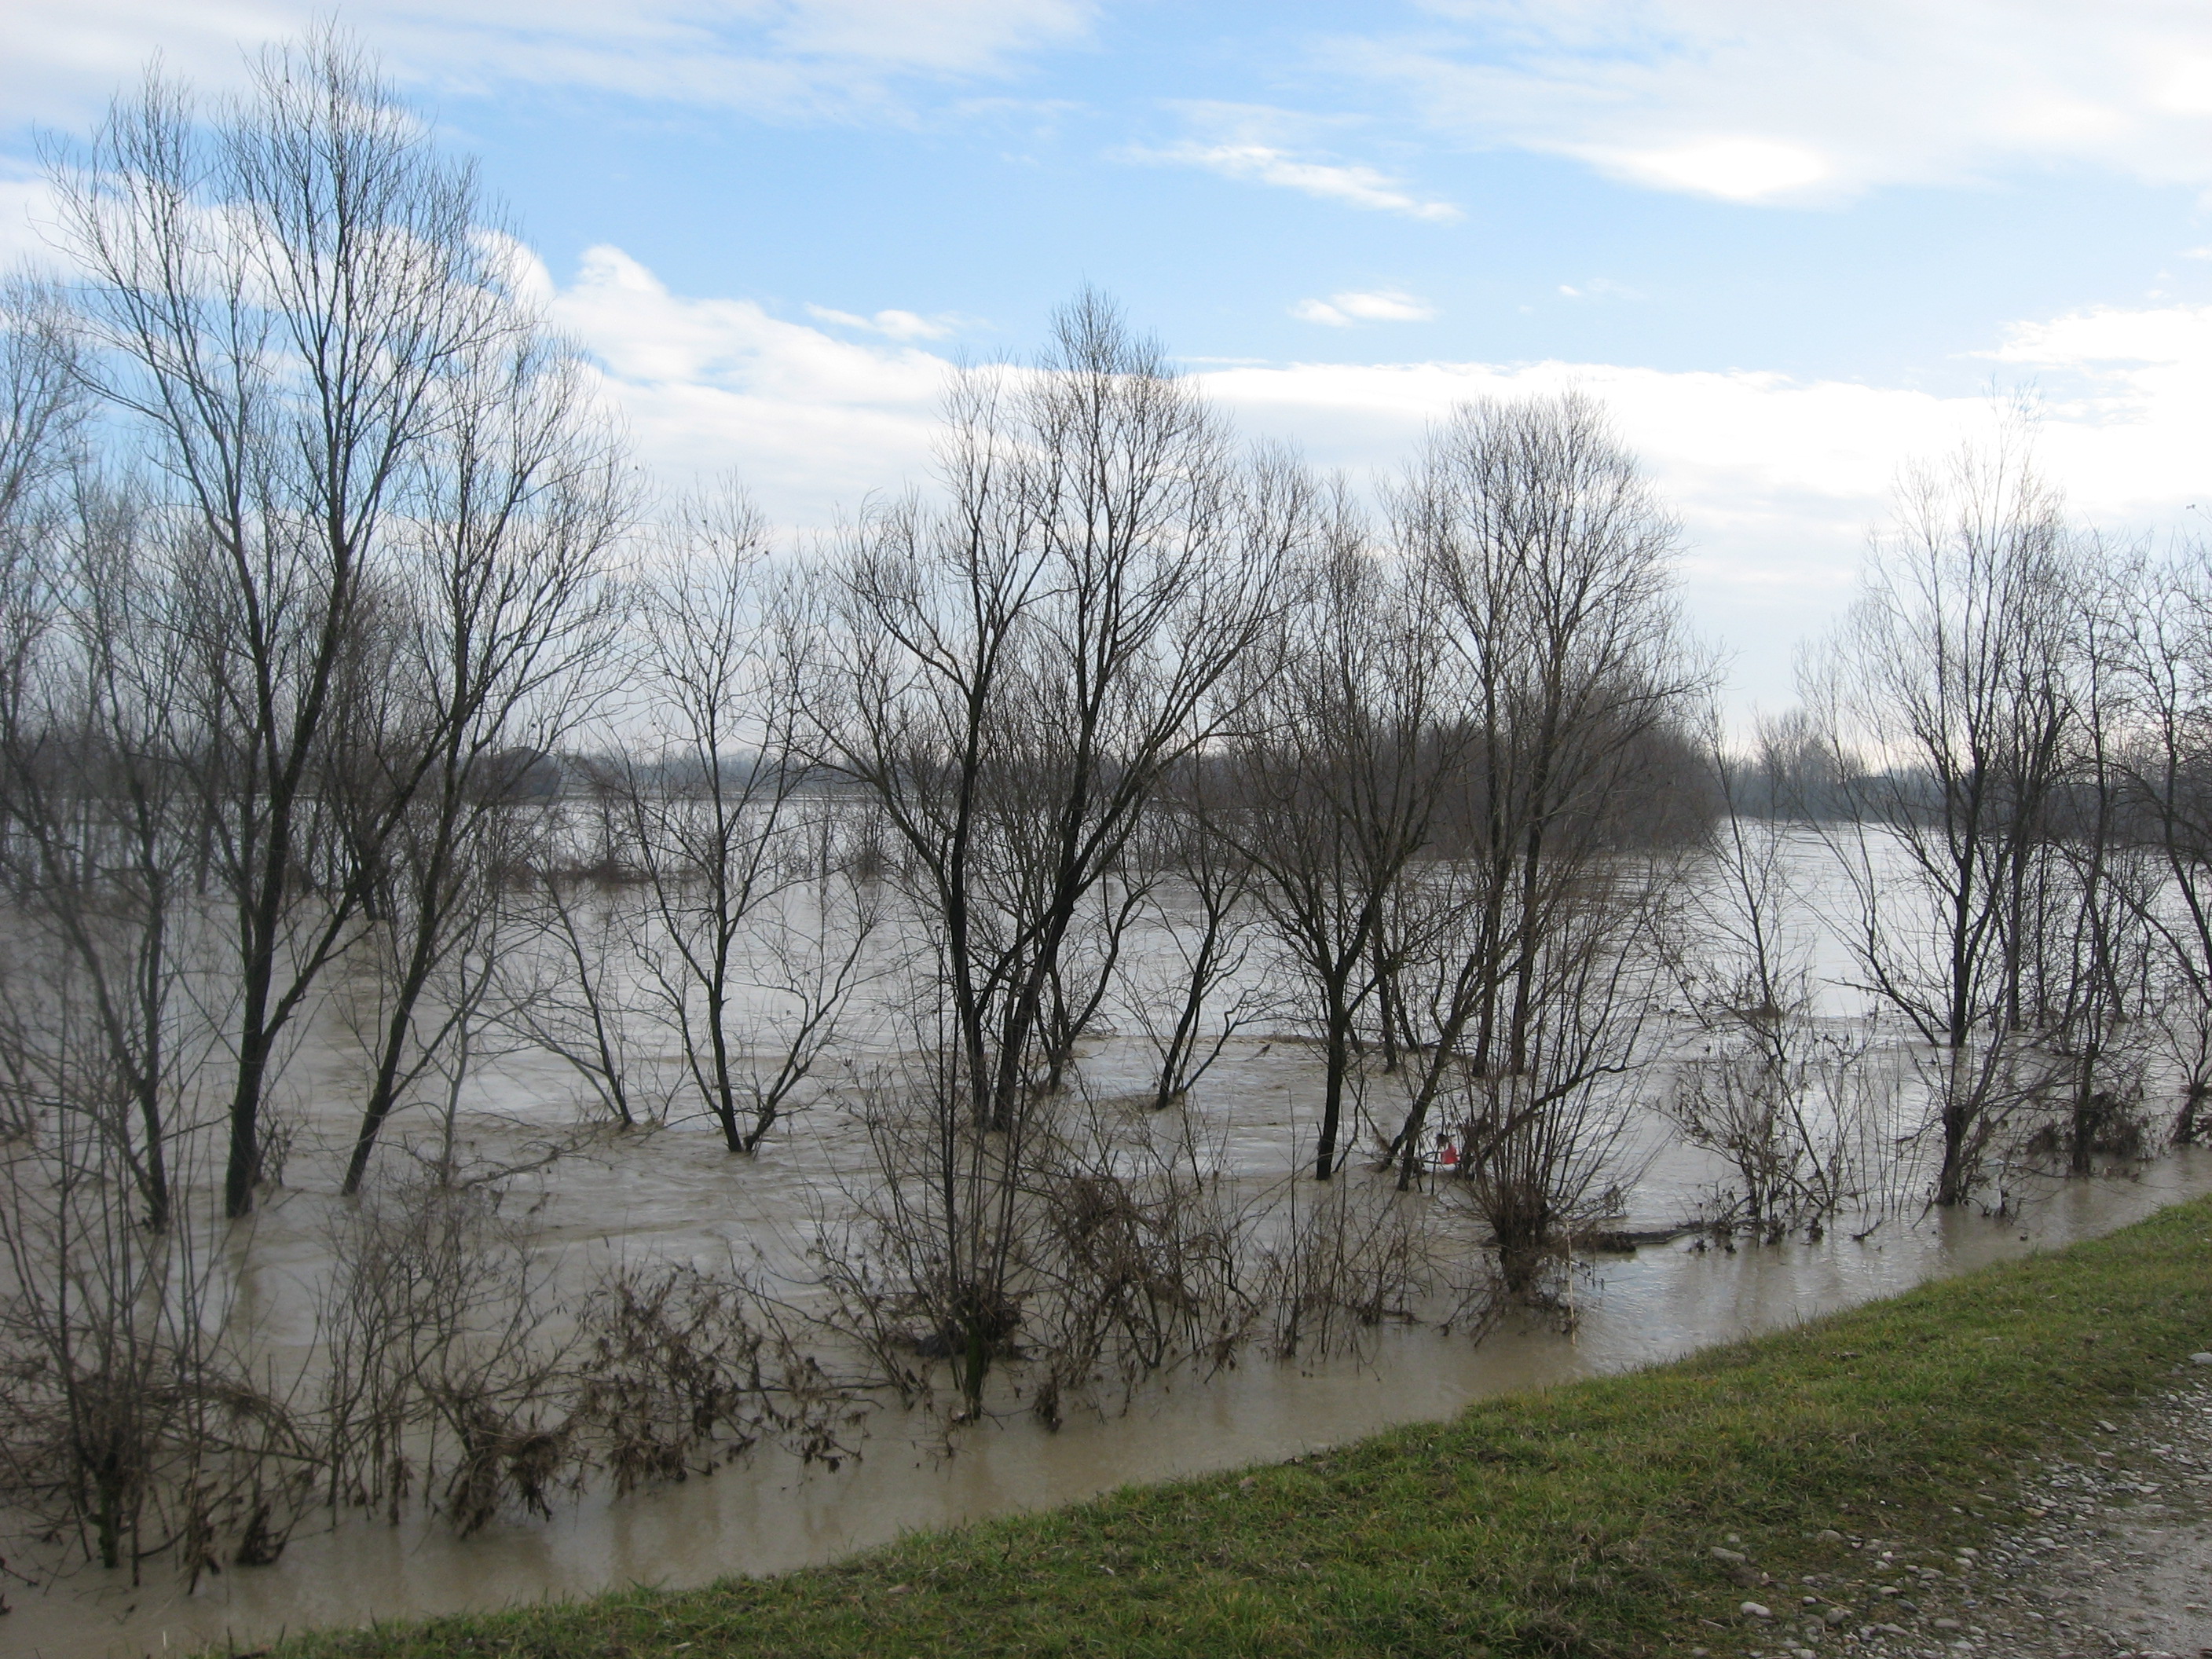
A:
[1578,1520]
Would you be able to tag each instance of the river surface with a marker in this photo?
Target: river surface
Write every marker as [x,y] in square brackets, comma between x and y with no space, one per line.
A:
[768,1514]
[673,1194]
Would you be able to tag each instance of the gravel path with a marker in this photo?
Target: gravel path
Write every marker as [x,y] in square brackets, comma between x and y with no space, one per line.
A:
[2120,1560]
[2109,1556]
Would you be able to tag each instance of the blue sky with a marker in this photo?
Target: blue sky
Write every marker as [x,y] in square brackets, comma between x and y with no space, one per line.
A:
[1792,244]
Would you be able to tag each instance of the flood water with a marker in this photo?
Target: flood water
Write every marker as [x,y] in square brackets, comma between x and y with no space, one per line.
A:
[768,1514]
[674,1194]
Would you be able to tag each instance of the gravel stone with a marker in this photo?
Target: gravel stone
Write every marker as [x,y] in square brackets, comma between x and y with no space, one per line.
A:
[2103,1551]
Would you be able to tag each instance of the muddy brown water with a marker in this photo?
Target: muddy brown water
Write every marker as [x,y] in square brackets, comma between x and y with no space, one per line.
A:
[768,1514]
[676,1194]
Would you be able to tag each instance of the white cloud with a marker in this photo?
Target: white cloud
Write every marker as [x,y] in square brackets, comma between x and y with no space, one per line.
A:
[772,58]
[1266,164]
[893,325]
[1385,305]
[1777,480]
[1600,287]
[1735,169]
[26,209]
[812,423]
[1749,100]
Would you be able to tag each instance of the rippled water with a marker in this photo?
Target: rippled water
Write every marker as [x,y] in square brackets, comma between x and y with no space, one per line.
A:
[768,1514]
[675,1194]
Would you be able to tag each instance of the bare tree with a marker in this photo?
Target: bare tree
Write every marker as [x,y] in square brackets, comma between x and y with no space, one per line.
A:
[1199,920]
[277,292]
[1008,677]
[1793,772]
[88,829]
[2088,952]
[2166,759]
[1336,781]
[496,602]
[1556,556]
[1550,556]
[1948,698]
[43,406]
[1015,671]
[564,991]
[753,937]
[99,814]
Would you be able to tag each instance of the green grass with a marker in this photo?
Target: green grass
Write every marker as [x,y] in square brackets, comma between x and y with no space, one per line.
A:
[1577,1520]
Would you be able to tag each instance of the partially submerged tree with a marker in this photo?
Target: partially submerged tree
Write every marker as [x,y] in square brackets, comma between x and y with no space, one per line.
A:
[95,804]
[1008,676]
[723,818]
[1553,558]
[1335,784]
[2164,645]
[286,297]
[494,602]
[1950,695]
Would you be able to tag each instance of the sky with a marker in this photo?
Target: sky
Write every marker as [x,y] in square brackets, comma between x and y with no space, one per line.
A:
[1793,245]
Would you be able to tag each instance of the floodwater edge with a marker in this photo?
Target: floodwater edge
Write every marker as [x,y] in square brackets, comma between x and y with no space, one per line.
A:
[1578,1519]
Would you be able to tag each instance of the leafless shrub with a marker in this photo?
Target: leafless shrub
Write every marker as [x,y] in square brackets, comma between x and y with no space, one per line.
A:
[2186,1025]
[1115,1256]
[2107,1120]
[1769,1092]
[1986,1098]
[451,1370]
[669,1361]
[1137,1262]
[681,1373]
[440,1352]
[1789,1126]
[933,1262]
[1345,1261]
[130,1416]
[1540,1147]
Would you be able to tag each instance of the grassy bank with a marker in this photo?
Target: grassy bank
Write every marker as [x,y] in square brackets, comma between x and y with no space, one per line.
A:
[1579,1520]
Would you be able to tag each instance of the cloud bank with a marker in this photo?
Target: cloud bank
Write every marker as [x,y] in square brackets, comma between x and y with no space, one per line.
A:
[807,59]
[1777,480]
[1266,164]
[1746,100]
